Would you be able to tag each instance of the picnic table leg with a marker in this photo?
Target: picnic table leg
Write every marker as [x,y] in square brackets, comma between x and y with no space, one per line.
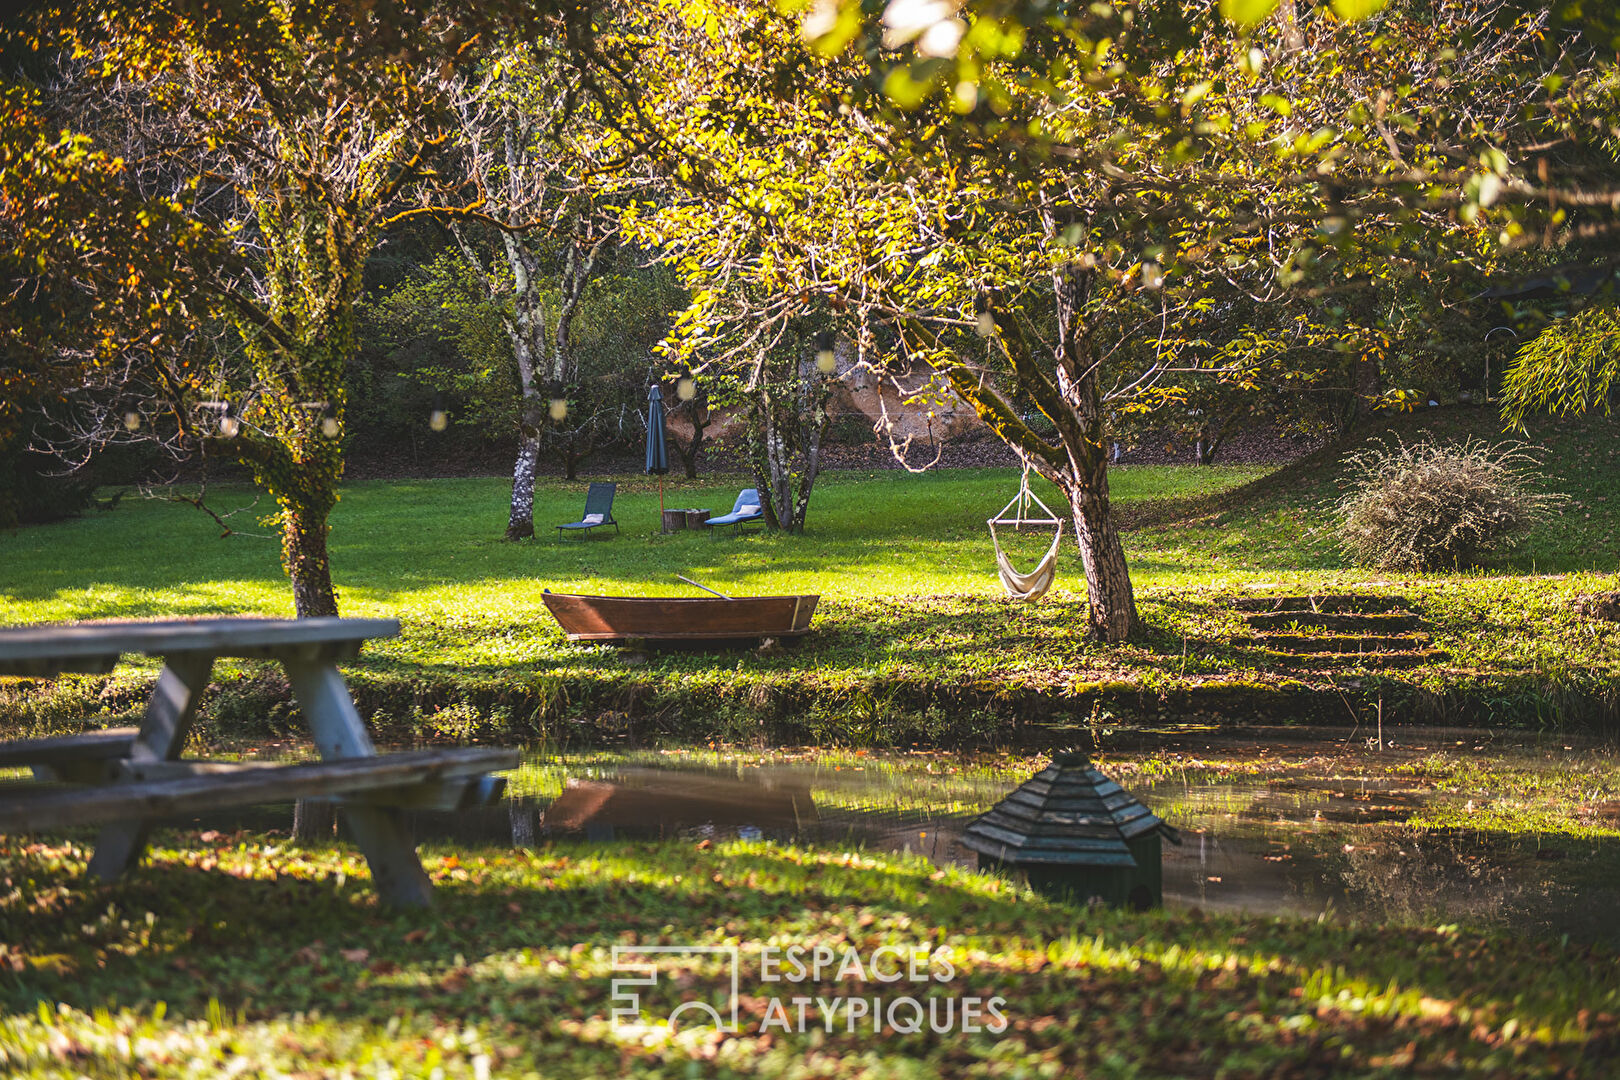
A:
[339,732]
[169,713]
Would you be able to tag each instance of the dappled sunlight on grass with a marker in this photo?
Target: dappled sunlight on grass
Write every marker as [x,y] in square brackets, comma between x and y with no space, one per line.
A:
[913,626]
[271,958]
[431,549]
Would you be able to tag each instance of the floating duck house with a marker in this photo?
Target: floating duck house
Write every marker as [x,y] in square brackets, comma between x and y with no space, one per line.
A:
[1076,835]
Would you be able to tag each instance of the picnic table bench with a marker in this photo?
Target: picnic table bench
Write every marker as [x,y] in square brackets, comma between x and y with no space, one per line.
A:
[127,777]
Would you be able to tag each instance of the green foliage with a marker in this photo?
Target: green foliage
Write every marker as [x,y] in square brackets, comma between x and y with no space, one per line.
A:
[89,260]
[1432,506]
[282,140]
[1571,366]
[439,328]
[1106,207]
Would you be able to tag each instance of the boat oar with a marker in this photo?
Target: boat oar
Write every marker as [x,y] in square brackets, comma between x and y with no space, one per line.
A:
[705,588]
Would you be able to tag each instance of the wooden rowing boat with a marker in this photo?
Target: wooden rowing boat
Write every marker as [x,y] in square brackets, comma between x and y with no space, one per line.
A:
[681,618]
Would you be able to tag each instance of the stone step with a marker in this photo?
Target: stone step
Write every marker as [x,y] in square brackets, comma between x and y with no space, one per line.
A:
[1342,643]
[1385,622]
[1328,602]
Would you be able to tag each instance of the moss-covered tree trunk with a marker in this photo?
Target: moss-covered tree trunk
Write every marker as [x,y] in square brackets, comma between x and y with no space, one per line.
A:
[303,553]
[289,425]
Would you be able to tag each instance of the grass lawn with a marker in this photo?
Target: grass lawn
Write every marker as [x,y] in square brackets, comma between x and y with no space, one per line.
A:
[237,955]
[913,641]
[431,550]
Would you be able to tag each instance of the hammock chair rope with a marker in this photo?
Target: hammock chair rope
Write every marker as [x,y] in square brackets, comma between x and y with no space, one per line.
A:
[1033,585]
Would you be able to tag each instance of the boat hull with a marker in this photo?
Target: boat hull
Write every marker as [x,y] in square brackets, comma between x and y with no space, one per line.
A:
[680,618]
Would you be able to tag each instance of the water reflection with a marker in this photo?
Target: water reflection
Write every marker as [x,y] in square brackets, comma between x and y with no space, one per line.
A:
[1312,846]
[1306,842]
[655,804]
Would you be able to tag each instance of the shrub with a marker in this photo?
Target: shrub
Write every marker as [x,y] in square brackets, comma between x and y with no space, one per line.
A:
[1428,506]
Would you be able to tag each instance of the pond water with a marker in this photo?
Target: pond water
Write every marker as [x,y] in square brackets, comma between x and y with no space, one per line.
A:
[1308,825]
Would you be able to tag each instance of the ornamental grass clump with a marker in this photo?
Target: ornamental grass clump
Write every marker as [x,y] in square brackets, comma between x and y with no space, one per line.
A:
[1434,506]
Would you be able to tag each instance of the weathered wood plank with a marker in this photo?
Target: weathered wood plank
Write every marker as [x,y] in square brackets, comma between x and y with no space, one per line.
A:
[453,792]
[95,647]
[86,746]
[30,811]
[380,831]
[169,713]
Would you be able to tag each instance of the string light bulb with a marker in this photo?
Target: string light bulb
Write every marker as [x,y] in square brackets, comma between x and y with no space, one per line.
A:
[826,358]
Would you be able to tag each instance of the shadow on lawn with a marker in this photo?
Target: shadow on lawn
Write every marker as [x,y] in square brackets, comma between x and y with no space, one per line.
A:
[519,943]
[181,600]
[954,637]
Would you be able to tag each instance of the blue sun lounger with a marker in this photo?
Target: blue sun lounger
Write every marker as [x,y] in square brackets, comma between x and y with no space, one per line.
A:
[598,510]
[745,511]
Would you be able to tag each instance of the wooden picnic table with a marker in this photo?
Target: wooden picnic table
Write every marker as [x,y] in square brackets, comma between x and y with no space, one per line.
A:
[127,777]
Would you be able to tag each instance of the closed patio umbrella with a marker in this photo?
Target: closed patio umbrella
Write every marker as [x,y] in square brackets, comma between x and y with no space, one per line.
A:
[657,445]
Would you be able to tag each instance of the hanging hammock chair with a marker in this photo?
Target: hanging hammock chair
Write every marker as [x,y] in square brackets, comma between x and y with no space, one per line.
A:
[1033,585]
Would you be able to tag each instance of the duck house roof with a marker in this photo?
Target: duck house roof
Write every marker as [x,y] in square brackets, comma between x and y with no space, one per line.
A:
[1068,814]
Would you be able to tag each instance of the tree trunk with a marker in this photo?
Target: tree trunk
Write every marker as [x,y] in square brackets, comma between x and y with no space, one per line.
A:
[769,478]
[1113,614]
[813,419]
[698,409]
[521,814]
[314,820]
[303,548]
[527,330]
[1293,39]
[520,526]
[1369,383]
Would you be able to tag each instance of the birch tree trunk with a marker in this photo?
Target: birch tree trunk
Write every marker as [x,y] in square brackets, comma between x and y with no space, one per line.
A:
[527,331]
